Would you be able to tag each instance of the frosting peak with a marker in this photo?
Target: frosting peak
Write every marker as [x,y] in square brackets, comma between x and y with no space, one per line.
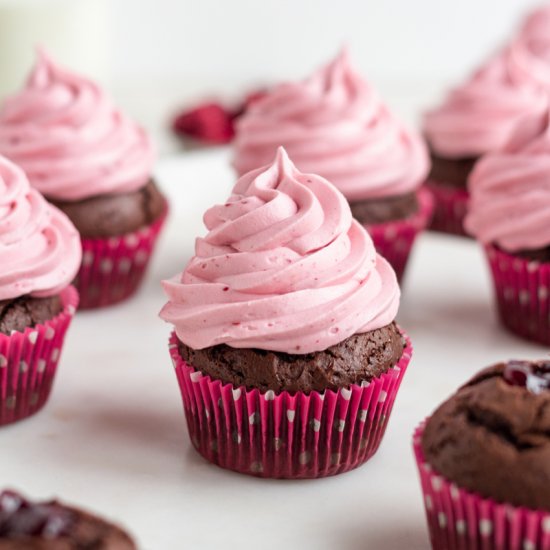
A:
[69,138]
[480,115]
[40,249]
[510,193]
[284,267]
[334,124]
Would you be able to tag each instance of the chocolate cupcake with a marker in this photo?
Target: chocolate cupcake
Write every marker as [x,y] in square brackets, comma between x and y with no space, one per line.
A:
[509,214]
[334,124]
[484,461]
[40,254]
[94,164]
[479,117]
[51,525]
[285,345]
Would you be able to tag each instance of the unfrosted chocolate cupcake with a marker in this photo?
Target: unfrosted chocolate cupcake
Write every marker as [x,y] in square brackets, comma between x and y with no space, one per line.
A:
[493,436]
[484,461]
[52,525]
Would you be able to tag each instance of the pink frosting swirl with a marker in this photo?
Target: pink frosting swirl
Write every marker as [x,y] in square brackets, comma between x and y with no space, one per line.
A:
[510,193]
[283,268]
[40,249]
[481,115]
[530,51]
[333,124]
[68,137]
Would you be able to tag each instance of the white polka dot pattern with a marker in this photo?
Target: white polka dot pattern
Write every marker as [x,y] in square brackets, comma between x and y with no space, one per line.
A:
[284,435]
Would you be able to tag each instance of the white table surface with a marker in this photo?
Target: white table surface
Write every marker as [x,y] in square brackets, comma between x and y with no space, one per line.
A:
[113,437]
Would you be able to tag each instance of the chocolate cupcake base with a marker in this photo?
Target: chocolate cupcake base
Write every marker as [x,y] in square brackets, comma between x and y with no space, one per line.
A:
[522,292]
[286,434]
[459,519]
[395,239]
[113,268]
[28,362]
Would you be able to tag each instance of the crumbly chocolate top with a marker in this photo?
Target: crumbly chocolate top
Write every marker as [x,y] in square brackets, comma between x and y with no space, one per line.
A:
[359,358]
[50,525]
[493,436]
[385,209]
[23,312]
[115,214]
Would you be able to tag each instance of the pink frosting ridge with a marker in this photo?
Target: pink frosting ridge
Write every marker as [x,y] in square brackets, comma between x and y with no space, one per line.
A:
[71,141]
[510,193]
[480,115]
[334,124]
[530,51]
[40,249]
[284,267]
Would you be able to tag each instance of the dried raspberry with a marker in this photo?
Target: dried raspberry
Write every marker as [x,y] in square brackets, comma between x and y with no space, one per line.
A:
[210,122]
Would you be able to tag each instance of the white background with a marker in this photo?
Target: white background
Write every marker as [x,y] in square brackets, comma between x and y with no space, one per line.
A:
[217,44]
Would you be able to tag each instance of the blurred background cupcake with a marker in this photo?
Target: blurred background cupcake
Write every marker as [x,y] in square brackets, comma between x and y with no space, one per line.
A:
[483,459]
[94,164]
[509,213]
[480,115]
[334,124]
[40,254]
[285,345]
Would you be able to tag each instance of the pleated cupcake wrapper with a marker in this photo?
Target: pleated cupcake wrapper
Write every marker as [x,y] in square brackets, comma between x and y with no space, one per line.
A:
[461,520]
[394,240]
[450,207]
[286,435]
[28,362]
[522,289]
[112,268]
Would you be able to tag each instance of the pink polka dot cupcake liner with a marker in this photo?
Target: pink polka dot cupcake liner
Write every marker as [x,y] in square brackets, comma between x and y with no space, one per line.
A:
[112,269]
[394,240]
[286,435]
[450,207]
[462,520]
[522,290]
[28,362]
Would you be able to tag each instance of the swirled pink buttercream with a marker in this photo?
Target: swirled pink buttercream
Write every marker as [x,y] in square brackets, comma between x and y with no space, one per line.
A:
[529,53]
[481,115]
[333,124]
[283,268]
[69,138]
[510,194]
[40,249]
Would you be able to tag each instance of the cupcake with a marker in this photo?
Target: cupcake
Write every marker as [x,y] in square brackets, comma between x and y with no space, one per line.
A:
[40,254]
[95,165]
[476,118]
[484,461]
[284,344]
[52,525]
[509,214]
[334,124]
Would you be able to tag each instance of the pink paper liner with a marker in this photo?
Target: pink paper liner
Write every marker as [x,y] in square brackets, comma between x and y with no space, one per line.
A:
[394,240]
[522,289]
[461,520]
[112,269]
[286,435]
[28,362]
[450,208]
